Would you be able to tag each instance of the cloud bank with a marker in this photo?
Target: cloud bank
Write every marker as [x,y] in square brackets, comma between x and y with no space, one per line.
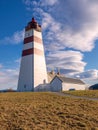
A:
[76,26]
[93,74]
[71,60]
[69,30]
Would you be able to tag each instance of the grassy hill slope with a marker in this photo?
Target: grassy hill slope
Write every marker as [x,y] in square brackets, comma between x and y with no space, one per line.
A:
[46,111]
[86,93]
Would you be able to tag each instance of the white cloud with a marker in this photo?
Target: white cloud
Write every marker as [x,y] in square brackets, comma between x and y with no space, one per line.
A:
[70,60]
[90,81]
[9,75]
[27,2]
[48,2]
[90,74]
[76,30]
[40,2]
[90,77]
[79,16]
[8,78]
[16,38]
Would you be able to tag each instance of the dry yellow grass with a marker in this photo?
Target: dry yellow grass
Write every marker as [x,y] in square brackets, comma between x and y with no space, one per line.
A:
[86,93]
[46,111]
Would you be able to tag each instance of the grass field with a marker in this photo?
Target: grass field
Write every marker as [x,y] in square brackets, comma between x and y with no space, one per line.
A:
[46,111]
[86,93]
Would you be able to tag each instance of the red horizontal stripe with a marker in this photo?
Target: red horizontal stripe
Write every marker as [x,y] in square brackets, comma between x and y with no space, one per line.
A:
[32,39]
[28,39]
[38,52]
[32,51]
[27,52]
[37,39]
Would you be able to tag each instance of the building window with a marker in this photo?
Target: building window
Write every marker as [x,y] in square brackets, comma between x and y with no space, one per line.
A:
[44,81]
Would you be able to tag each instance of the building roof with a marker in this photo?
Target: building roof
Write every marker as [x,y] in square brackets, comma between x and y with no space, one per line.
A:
[68,80]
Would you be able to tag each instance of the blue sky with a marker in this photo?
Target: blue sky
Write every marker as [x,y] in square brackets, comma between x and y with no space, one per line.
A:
[70,35]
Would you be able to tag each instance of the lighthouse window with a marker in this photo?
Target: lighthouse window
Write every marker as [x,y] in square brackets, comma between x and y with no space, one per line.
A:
[25,86]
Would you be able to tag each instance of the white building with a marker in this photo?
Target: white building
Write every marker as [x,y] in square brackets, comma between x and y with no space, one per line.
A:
[61,83]
[33,67]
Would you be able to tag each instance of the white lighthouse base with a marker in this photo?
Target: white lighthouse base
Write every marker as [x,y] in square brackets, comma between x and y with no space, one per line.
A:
[25,82]
[32,73]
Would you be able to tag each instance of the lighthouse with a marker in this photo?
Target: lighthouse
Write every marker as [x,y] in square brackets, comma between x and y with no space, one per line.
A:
[33,67]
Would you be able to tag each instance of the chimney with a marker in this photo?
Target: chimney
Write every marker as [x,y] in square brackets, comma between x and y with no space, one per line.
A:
[58,71]
[52,72]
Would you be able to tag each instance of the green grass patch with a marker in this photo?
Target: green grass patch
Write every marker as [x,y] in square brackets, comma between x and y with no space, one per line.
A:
[46,111]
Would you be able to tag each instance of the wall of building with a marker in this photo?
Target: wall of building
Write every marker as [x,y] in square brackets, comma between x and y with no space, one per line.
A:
[68,86]
[56,85]
[42,88]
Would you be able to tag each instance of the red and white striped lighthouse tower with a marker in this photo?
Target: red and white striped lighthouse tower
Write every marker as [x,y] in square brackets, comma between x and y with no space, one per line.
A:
[33,67]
